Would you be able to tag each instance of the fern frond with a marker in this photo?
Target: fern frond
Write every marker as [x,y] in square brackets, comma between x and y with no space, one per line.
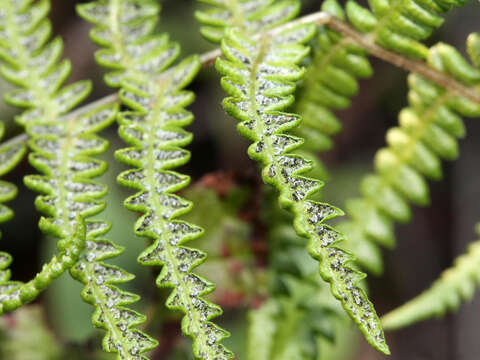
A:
[255,16]
[337,64]
[259,75]
[248,15]
[111,313]
[84,198]
[154,131]
[454,286]
[62,151]
[428,131]
[153,128]
[457,284]
[400,25]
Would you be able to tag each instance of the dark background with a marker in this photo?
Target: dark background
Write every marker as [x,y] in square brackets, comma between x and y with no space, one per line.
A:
[425,247]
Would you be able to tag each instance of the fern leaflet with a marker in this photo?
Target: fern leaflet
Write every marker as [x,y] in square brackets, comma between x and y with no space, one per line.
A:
[299,313]
[337,63]
[331,81]
[153,128]
[455,285]
[427,132]
[258,76]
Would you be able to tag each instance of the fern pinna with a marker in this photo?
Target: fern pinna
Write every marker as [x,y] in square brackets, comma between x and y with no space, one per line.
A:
[30,64]
[259,75]
[153,127]
[398,26]
[10,156]
[111,313]
[62,150]
[428,131]
[253,16]
[454,286]
[275,94]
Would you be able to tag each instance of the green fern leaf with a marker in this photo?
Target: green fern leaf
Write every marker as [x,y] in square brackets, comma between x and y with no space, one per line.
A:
[153,128]
[428,131]
[110,302]
[159,112]
[254,16]
[400,25]
[259,78]
[249,15]
[454,286]
[337,63]
[10,156]
[30,65]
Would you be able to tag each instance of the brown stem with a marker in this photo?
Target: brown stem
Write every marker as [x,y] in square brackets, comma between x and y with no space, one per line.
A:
[416,66]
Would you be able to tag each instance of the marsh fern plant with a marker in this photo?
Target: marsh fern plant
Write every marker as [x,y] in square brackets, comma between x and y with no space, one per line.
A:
[270,241]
